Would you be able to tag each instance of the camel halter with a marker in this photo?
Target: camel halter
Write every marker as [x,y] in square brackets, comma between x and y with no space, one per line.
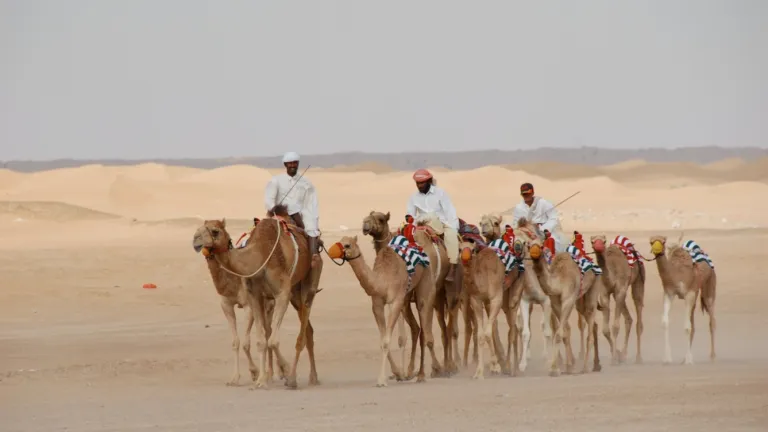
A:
[277,242]
[343,257]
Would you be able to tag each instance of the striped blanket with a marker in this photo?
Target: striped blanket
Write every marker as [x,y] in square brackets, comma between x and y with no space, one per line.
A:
[508,259]
[628,248]
[697,253]
[584,263]
[412,255]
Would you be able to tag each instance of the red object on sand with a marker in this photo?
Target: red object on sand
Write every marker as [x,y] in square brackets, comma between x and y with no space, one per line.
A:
[149,286]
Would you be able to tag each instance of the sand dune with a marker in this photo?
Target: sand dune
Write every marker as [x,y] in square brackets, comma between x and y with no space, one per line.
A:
[50,211]
[634,194]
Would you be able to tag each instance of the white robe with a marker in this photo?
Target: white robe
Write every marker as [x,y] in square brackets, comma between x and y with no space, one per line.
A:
[544,215]
[301,199]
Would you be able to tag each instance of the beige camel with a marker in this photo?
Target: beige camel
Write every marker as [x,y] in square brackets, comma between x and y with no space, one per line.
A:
[685,272]
[567,286]
[376,225]
[622,271]
[532,290]
[491,277]
[233,293]
[388,283]
[275,260]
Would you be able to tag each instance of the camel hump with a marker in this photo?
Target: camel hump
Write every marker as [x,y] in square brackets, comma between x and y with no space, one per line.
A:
[280,210]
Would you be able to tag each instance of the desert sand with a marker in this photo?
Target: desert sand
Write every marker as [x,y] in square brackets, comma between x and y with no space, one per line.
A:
[84,347]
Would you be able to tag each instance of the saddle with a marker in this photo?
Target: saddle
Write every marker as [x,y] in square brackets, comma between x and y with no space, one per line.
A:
[294,225]
[471,233]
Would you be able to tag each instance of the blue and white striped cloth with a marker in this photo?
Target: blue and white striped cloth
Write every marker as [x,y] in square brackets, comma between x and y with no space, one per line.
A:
[697,253]
[411,255]
[508,259]
[584,264]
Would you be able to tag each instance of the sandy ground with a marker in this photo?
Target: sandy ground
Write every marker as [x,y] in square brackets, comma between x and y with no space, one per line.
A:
[84,348]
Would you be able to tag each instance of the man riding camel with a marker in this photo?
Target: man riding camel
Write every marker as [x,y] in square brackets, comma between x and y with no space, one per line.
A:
[541,213]
[431,199]
[299,195]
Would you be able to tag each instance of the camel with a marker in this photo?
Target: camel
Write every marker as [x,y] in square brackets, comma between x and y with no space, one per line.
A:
[276,264]
[568,284]
[686,272]
[491,278]
[389,283]
[622,270]
[234,293]
[532,291]
[376,225]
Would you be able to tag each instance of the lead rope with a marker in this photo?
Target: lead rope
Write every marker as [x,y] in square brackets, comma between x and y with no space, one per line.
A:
[277,241]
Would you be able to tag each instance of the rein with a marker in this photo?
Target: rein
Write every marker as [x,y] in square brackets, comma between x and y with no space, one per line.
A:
[274,248]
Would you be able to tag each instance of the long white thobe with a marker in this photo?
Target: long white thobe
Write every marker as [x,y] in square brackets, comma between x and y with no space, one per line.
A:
[302,199]
[435,201]
[544,215]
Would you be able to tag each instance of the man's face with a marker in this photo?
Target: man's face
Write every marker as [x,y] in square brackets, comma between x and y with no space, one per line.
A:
[528,198]
[423,187]
[291,168]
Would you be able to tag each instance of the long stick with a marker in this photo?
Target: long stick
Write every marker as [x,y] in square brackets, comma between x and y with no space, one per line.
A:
[297,181]
[510,210]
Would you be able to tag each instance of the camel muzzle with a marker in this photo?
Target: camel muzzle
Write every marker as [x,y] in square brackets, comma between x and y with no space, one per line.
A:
[336,251]
[466,255]
[598,246]
[535,251]
[657,248]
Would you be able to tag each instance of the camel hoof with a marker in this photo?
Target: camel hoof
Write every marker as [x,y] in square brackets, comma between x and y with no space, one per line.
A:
[254,375]
[688,361]
[667,361]
[495,369]
[259,386]
[421,378]
[381,384]
[313,381]
[638,360]
[597,368]
[622,356]
[291,383]
[554,373]
[712,357]
[438,373]
[523,366]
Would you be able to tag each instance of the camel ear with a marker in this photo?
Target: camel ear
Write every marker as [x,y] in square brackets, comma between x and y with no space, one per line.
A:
[224,222]
[354,239]
[386,217]
[371,213]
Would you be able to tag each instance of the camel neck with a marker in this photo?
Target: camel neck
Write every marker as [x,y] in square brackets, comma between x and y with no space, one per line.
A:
[364,275]
[380,241]
[600,258]
[542,269]
[218,276]
[663,265]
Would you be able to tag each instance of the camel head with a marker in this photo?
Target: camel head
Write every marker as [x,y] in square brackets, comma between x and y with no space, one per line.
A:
[212,237]
[346,249]
[535,249]
[527,230]
[598,243]
[490,226]
[658,244]
[466,250]
[376,224]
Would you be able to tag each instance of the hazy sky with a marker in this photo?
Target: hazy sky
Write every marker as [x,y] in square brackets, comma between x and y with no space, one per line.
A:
[190,78]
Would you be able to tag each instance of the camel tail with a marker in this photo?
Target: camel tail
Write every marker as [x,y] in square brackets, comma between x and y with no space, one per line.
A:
[279,210]
[704,307]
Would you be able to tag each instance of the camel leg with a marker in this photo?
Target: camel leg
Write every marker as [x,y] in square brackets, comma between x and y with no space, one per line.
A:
[525,315]
[468,321]
[596,364]
[453,324]
[565,330]
[557,338]
[301,342]
[426,306]
[712,325]
[546,324]
[621,310]
[479,317]
[494,306]
[665,325]
[247,345]
[385,328]
[514,366]
[581,324]
[281,306]
[607,328]
[402,338]
[439,307]
[415,334]
[268,310]
[638,292]
[313,381]
[259,318]
[229,311]
[590,322]
[690,307]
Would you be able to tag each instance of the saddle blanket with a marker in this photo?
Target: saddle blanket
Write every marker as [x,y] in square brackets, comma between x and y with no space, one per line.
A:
[628,248]
[410,254]
[582,261]
[508,259]
[697,253]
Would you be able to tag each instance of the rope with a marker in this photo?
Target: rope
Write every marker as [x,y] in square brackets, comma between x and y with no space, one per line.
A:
[277,242]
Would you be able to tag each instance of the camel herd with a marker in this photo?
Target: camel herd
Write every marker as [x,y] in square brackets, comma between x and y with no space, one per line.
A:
[507,270]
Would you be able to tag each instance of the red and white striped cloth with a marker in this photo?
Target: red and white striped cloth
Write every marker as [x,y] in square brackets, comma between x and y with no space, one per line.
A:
[627,247]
